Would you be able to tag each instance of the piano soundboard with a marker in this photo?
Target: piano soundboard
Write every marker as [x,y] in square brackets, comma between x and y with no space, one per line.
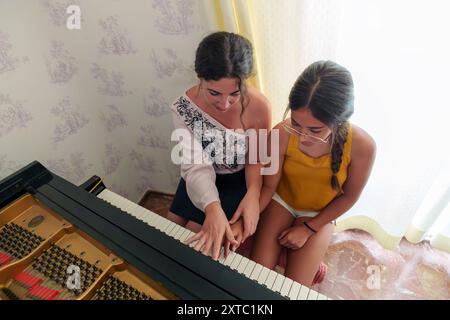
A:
[61,241]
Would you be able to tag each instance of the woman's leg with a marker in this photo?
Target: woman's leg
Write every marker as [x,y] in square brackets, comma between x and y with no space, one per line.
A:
[266,248]
[193,226]
[302,264]
[176,218]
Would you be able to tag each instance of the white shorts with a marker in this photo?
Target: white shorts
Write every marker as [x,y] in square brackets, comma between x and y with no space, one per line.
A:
[295,213]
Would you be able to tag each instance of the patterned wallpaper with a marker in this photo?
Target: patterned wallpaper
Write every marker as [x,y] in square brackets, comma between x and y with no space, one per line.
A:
[96,100]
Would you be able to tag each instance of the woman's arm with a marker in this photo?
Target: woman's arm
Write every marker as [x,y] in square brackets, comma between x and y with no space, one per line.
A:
[362,159]
[197,171]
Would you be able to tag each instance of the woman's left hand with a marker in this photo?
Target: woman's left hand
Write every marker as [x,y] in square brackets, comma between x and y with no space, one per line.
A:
[294,237]
[249,210]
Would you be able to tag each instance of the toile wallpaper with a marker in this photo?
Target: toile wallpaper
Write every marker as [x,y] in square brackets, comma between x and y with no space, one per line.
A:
[96,100]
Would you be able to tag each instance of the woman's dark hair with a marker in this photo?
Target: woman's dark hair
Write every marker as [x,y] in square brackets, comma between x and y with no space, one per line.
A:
[326,88]
[225,55]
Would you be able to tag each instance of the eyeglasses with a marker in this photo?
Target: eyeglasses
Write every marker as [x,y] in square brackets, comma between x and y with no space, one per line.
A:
[308,137]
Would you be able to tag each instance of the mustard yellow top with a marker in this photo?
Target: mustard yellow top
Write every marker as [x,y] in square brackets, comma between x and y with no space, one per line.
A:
[305,181]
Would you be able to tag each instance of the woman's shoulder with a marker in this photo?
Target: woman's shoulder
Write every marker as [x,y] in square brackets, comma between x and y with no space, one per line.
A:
[363,145]
[259,108]
[182,100]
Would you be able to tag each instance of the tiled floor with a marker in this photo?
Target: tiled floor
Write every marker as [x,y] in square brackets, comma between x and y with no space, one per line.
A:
[359,268]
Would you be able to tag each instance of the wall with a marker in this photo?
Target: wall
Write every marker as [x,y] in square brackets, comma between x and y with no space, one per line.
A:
[96,100]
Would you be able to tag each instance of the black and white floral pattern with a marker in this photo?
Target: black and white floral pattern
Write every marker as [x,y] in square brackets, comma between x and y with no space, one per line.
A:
[193,116]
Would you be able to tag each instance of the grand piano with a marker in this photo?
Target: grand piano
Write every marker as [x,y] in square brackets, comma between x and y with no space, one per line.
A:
[59,241]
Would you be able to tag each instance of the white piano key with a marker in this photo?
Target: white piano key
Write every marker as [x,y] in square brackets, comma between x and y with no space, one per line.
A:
[119,203]
[190,235]
[286,287]
[104,195]
[179,233]
[271,279]
[256,271]
[303,294]
[221,256]
[126,205]
[242,265]
[167,225]
[157,219]
[313,294]
[153,220]
[144,214]
[249,268]
[278,283]
[229,259]
[236,261]
[148,219]
[263,275]
[295,289]
[322,297]
[109,195]
[175,229]
[162,224]
[167,230]
[185,235]
[137,212]
[140,215]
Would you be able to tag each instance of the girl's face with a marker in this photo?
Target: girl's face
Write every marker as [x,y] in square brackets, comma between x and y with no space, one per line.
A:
[312,130]
[221,94]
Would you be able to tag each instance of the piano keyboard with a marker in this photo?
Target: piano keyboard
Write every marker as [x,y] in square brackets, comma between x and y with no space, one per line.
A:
[271,279]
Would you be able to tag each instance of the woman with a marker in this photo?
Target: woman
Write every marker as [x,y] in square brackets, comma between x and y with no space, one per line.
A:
[325,163]
[213,192]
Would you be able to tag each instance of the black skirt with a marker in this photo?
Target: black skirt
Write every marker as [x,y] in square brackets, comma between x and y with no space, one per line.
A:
[231,187]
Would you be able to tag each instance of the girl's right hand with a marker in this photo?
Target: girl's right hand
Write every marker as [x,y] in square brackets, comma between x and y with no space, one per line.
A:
[238,232]
[215,229]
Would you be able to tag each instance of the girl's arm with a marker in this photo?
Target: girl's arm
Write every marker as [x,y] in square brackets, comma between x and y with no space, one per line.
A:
[257,118]
[362,159]
[271,181]
[260,118]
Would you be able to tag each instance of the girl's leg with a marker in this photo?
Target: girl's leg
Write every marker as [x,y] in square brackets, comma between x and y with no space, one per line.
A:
[302,264]
[266,249]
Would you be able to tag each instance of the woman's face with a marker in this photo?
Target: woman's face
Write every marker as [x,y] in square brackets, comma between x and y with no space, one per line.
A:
[221,94]
[303,121]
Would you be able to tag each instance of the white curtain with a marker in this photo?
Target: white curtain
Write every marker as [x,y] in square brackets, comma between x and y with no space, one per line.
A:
[398,52]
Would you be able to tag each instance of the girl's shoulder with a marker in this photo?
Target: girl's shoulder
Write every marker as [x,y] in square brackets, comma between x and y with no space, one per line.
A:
[363,145]
[283,135]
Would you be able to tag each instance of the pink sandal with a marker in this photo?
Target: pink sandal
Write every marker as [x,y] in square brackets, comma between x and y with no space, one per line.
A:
[320,274]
